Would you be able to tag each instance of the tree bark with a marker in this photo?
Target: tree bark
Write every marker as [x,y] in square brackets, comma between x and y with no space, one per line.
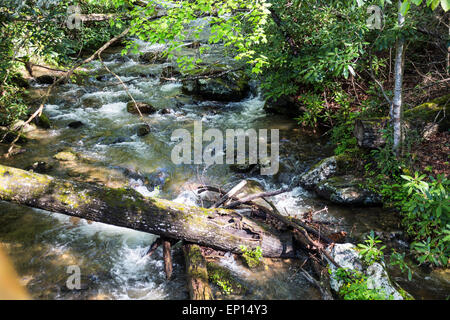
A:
[197,274]
[396,109]
[168,265]
[219,229]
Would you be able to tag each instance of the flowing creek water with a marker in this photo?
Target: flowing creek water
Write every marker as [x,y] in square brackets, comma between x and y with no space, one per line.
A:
[42,245]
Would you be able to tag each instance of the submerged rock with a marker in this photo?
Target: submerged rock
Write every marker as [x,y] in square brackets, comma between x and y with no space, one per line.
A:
[347,190]
[143,130]
[347,257]
[75,124]
[65,156]
[145,108]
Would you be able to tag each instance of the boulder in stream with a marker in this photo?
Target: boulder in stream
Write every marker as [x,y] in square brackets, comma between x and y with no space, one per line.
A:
[145,108]
[347,190]
[323,170]
[217,85]
[143,130]
[75,124]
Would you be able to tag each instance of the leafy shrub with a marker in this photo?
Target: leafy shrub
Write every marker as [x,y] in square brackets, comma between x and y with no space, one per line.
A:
[426,217]
[369,250]
[252,258]
[356,286]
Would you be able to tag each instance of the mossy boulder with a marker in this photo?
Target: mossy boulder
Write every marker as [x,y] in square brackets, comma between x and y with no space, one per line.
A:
[347,190]
[145,108]
[427,119]
[214,84]
[43,121]
[437,111]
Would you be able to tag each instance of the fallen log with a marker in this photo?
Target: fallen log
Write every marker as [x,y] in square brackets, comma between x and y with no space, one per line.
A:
[197,274]
[216,228]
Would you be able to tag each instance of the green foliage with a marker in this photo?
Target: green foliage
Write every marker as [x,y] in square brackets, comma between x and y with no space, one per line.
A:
[252,258]
[237,24]
[369,251]
[426,217]
[356,286]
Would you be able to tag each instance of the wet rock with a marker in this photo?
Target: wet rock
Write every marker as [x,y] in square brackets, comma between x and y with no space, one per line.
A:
[152,57]
[347,190]
[46,79]
[65,156]
[113,140]
[348,258]
[323,170]
[145,108]
[75,124]
[40,167]
[166,111]
[143,130]
[232,86]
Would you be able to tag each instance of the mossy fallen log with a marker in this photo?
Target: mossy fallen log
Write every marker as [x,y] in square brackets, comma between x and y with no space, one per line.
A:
[220,229]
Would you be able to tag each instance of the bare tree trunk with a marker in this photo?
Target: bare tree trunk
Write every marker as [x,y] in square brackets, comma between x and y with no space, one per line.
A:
[219,229]
[396,108]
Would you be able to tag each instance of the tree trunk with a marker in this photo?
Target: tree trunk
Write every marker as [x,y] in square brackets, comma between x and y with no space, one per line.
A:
[396,109]
[197,274]
[220,229]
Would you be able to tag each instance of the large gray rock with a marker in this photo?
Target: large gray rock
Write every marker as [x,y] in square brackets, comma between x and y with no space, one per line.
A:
[347,190]
[323,170]
[348,258]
